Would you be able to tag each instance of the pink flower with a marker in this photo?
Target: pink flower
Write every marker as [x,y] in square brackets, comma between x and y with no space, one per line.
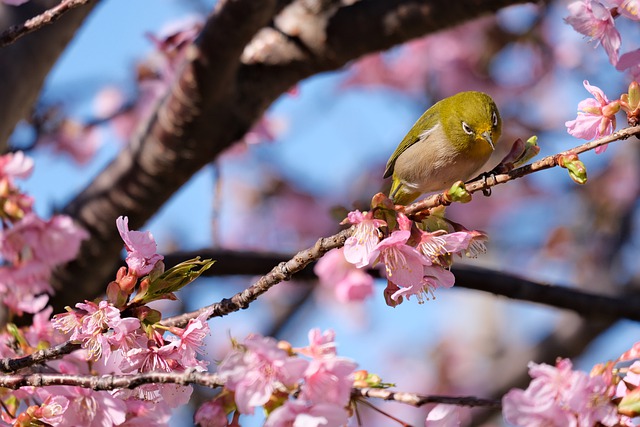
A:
[52,242]
[321,344]
[14,2]
[435,277]
[630,381]
[190,341]
[404,265]
[141,248]
[629,60]
[90,408]
[211,414]
[593,19]
[52,410]
[257,369]
[76,139]
[560,396]
[365,237]
[141,413]
[349,283]
[596,118]
[298,413]
[438,244]
[329,380]
[447,416]
[99,318]
[151,358]
[24,288]
[16,165]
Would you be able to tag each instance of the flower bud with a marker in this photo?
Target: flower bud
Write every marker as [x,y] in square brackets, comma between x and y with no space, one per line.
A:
[633,98]
[286,346]
[577,169]
[458,193]
[5,187]
[388,293]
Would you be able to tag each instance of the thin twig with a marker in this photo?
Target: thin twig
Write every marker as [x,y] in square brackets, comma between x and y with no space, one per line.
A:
[415,399]
[49,16]
[206,379]
[111,382]
[12,365]
[279,273]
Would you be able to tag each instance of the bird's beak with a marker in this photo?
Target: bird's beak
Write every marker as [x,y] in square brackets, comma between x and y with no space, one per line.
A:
[486,135]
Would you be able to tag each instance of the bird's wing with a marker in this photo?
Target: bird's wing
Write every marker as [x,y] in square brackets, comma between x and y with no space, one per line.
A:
[427,122]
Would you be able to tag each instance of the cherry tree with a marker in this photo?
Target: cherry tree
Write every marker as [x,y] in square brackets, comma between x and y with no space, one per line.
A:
[391,314]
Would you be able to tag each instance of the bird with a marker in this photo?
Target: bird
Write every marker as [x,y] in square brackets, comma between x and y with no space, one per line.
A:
[452,141]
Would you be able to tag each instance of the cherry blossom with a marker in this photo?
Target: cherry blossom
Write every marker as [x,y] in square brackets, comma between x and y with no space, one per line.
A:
[258,368]
[348,282]
[16,165]
[299,413]
[447,416]
[52,242]
[190,340]
[558,395]
[141,248]
[211,414]
[593,19]
[321,344]
[359,246]
[404,265]
[329,380]
[596,117]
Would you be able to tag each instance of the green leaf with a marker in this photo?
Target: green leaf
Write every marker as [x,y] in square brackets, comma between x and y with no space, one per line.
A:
[177,277]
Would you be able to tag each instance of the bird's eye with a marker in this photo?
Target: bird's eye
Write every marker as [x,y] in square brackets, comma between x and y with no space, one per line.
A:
[494,117]
[467,129]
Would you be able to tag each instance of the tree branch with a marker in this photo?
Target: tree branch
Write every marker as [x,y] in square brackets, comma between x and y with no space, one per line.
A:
[281,272]
[110,382]
[25,64]
[499,283]
[49,16]
[418,400]
[12,365]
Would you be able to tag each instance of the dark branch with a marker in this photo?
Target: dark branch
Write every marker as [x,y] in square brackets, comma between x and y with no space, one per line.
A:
[49,16]
[586,304]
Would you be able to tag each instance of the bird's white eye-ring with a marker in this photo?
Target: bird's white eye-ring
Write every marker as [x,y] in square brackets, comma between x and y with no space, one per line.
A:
[467,129]
[494,117]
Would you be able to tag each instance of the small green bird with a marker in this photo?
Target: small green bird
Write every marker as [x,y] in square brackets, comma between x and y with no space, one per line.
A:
[450,142]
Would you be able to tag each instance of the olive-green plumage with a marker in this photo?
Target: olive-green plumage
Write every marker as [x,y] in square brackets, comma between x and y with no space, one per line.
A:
[450,142]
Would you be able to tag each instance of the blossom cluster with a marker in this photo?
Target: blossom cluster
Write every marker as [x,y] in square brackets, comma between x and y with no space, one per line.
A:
[597,115]
[414,260]
[560,395]
[30,246]
[119,335]
[260,371]
[596,19]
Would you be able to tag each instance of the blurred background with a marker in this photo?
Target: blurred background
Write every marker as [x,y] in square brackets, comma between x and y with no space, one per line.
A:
[320,151]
